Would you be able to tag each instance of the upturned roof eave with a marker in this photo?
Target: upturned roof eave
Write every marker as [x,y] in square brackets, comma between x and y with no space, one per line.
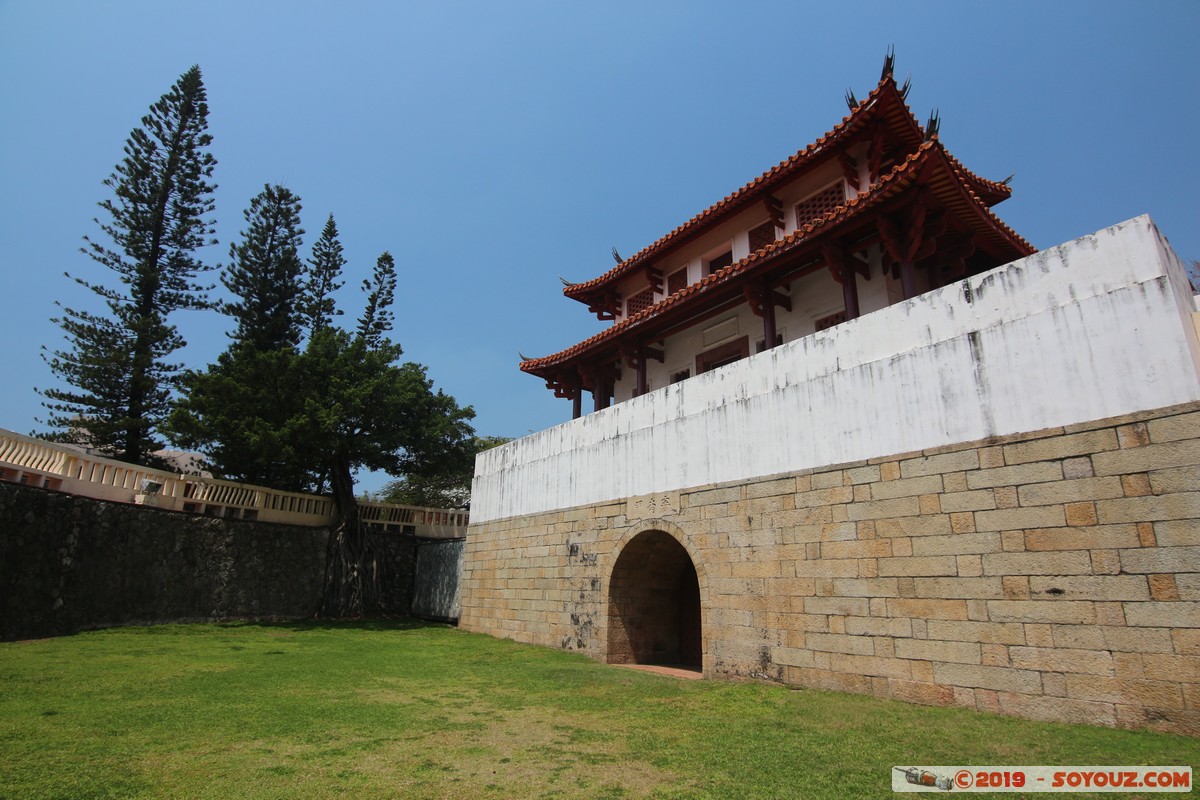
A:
[667,312]
[884,99]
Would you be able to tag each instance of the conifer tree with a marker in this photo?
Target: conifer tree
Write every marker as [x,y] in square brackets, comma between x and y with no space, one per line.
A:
[317,306]
[264,273]
[115,363]
[376,319]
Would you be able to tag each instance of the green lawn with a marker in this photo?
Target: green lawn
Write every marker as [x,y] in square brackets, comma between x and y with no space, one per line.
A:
[410,710]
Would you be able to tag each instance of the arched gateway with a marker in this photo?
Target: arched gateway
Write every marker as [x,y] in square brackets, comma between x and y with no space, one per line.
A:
[654,604]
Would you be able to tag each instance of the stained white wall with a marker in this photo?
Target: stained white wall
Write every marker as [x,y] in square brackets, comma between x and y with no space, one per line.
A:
[1093,328]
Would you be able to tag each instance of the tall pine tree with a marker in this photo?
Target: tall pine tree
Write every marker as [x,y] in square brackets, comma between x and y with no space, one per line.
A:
[317,306]
[264,276]
[116,362]
[243,410]
[376,319]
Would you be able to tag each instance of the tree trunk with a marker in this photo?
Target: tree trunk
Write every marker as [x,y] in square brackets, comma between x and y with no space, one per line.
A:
[352,564]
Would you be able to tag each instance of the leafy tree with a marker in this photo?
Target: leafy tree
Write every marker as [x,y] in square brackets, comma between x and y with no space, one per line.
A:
[293,417]
[445,483]
[153,225]
[317,306]
[264,273]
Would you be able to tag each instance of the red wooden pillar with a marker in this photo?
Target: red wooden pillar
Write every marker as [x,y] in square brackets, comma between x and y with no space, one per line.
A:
[850,291]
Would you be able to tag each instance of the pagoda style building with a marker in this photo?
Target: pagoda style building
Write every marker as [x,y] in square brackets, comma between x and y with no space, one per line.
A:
[873,213]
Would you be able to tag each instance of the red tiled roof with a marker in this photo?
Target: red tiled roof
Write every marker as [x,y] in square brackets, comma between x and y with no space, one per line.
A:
[884,99]
[949,183]
[885,96]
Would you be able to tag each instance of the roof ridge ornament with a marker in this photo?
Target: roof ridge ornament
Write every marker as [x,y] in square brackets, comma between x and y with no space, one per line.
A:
[889,63]
[617,256]
[851,100]
[566,282]
[1008,181]
[933,125]
[904,89]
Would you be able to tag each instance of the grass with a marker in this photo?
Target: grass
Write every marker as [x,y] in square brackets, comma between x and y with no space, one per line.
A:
[425,711]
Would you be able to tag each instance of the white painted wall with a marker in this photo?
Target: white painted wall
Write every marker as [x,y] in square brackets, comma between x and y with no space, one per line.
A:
[1093,328]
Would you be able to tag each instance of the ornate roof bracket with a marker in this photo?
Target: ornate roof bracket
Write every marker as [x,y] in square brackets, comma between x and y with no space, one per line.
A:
[849,170]
[774,210]
[759,294]
[633,355]
[838,259]
[655,276]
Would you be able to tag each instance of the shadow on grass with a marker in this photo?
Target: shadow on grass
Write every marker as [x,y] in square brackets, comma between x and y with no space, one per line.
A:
[374,624]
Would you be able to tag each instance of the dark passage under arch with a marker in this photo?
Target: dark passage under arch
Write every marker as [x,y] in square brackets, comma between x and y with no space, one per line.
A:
[654,604]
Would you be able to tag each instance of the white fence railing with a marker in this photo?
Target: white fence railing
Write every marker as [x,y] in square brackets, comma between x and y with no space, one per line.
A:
[35,462]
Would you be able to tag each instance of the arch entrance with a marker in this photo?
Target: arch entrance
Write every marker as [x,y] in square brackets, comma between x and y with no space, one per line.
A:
[654,604]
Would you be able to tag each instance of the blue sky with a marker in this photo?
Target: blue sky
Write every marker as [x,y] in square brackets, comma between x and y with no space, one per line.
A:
[492,147]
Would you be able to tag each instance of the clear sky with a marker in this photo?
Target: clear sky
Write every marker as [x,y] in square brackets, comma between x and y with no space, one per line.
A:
[493,147]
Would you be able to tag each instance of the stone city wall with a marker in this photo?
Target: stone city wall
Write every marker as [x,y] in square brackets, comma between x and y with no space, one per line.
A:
[70,563]
[1053,575]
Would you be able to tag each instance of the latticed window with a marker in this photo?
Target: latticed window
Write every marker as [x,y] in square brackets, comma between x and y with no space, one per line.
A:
[820,204]
[831,320]
[639,302]
[677,280]
[762,236]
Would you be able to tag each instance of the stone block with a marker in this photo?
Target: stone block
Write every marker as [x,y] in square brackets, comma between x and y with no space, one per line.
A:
[1074,468]
[1099,536]
[1186,641]
[962,522]
[1059,447]
[1085,488]
[866,587]
[1088,587]
[1151,694]
[906,487]
[1006,497]
[1181,614]
[977,500]
[1018,518]
[1188,586]
[871,548]
[1061,659]
[1139,640]
[954,482]
[1133,435]
[840,643]
[927,609]
[1162,587]
[981,677]
[1053,562]
[937,464]
[1057,709]
[885,509]
[921,693]
[1054,684]
[1171,533]
[928,525]
[827,568]
[1168,481]
[959,544]
[867,474]
[1042,611]
[1174,428]
[871,665]
[1171,667]
[1138,485]
[1151,457]
[932,650]
[1185,505]
[969,566]
[965,588]
[918,565]
[1161,559]
[1037,472]
[828,479]
[844,606]
[878,626]
[1016,587]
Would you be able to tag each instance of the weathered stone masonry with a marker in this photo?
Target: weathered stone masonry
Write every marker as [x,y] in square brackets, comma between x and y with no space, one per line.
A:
[1052,575]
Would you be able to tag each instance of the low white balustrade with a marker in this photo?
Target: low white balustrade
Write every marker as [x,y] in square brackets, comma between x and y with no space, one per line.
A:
[24,459]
